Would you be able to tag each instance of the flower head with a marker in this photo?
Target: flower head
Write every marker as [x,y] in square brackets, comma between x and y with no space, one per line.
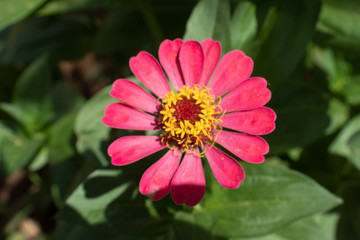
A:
[203,107]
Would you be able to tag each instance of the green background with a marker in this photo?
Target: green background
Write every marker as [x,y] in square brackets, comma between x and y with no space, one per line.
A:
[57,60]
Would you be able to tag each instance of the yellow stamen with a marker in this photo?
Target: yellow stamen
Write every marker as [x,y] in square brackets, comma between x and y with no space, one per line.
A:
[190,117]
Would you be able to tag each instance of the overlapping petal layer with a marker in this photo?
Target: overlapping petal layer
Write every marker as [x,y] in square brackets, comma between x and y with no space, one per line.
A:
[169,59]
[234,68]
[227,171]
[249,148]
[259,121]
[212,53]
[118,115]
[191,59]
[188,184]
[130,149]
[155,182]
[249,95]
[148,71]
[134,95]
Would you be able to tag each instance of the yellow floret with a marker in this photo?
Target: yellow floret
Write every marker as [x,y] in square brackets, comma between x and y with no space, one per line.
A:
[182,132]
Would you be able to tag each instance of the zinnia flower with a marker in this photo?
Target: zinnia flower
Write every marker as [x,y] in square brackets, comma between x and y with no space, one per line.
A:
[197,108]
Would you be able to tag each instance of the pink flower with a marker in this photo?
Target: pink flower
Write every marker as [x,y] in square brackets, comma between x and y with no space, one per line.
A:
[191,116]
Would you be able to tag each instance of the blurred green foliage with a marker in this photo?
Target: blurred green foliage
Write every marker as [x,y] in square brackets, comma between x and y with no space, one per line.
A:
[57,58]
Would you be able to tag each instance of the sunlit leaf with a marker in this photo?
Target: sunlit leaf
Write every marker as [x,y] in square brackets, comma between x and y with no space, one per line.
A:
[89,129]
[107,199]
[322,227]
[269,199]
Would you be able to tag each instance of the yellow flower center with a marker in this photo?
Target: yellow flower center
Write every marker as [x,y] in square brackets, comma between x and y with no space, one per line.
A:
[189,118]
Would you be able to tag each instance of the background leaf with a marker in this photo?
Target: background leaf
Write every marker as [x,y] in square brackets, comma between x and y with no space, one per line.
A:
[89,129]
[301,108]
[32,104]
[243,25]
[15,10]
[210,19]
[344,34]
[346,143]
[292,26]
[17,152]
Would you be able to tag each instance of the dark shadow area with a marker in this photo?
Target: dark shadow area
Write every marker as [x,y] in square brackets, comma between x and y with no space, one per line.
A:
[301,107]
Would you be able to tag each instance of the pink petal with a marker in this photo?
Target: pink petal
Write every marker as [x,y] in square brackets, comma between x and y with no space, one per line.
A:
[212,52]
[169,59]
[118,115]
[234,68]
[155,182]
[130,149]
[148,71]
[191,61]
[188,183]
[250,94]
[134,95]
[247,147]
[227,171]
[258,121]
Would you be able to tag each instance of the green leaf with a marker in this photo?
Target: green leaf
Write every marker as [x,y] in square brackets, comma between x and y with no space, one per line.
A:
[16,151]
[210,19]
[89,129]
[243,25]
[76,232]
[270,198]
[193,226]
[346,142]
[15,10]
[61,6]
[348,223]
[347,11]
[344,34]
[354,145]
[32,105]
[91,198]
[40,160]
[351,89]
[279,52]
[8,74]
[60,134]
[321,227]
[66,98]
[334,65]
[338,113]
[18,113]
[62,38]
[109,199]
